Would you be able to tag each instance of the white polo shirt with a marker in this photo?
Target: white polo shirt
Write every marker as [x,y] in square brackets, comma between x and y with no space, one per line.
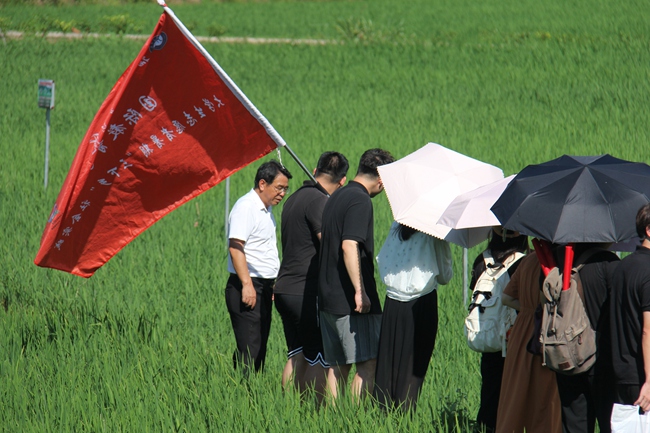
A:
[252,222]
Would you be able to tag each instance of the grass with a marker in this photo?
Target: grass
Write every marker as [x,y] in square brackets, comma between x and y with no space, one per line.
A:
[145,344]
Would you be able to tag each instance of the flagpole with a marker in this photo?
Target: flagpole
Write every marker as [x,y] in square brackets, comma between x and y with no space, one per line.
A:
[279,141]
[227,213]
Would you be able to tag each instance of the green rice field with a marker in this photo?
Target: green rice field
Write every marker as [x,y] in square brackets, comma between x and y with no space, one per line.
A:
[145,345]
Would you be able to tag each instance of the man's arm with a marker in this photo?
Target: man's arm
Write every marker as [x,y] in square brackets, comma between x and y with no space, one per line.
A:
[352,262]
[236,249]
[644,395]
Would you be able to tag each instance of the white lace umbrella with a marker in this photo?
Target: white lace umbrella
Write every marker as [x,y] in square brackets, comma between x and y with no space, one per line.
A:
[472,209]
[423,184]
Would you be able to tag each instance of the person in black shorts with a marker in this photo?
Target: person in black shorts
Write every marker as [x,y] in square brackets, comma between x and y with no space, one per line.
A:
[350,312]
[296,288]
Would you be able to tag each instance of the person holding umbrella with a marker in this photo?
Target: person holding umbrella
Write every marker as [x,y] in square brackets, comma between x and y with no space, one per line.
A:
[587,397]
[579,200]
[412,264]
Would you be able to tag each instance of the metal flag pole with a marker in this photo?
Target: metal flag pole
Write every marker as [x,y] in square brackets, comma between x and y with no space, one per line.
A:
[279,141]
[227,209]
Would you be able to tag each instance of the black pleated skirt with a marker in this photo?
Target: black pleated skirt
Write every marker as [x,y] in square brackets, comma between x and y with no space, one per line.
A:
[408,336]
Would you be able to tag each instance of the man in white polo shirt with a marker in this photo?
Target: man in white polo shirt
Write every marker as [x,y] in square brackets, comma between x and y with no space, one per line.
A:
[253,264]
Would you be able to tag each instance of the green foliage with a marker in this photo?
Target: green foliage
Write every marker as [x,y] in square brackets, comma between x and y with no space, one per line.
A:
[119,24]
[216,30]
[146,343]
[5,23]
[365,31]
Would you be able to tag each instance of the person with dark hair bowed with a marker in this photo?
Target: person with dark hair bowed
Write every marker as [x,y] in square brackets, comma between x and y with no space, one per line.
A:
[630,333]
[412,264]
[350,311]
[296,289]
[253,264]
[505,248]
[588,396]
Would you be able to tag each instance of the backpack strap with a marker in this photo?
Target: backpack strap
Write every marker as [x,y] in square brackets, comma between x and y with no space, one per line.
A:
[488,259]
[509,261]
[579,288]
[512,259]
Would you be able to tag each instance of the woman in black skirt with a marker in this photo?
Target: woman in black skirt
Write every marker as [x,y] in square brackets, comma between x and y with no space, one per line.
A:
[411,264]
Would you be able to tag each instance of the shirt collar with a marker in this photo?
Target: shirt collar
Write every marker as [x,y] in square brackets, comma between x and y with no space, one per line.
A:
[312,184]
[352,183]
[643,250]
[259,201]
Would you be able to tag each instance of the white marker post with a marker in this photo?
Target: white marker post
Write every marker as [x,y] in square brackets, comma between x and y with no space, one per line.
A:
[46,100]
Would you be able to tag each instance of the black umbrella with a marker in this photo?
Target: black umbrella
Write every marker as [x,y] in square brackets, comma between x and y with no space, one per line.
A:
[576,199]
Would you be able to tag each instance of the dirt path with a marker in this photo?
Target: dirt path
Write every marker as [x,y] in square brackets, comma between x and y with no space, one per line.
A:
[11,34]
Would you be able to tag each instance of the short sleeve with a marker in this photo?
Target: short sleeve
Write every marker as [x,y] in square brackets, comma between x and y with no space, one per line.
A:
[357,220]
[644,295]
[241,221]
[314,214]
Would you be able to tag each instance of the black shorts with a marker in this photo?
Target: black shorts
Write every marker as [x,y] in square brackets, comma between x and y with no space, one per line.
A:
[299,315]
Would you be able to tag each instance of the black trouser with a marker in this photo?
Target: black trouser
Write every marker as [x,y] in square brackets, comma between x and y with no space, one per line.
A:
[585,398]
[491,374]
[251,326]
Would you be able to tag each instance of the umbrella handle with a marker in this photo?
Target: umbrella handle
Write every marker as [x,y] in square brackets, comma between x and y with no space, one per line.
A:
[544,255]
[568,264]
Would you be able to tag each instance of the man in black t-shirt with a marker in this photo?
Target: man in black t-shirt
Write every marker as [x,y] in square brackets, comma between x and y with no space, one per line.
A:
[350,312]
[630,323]
[296,287]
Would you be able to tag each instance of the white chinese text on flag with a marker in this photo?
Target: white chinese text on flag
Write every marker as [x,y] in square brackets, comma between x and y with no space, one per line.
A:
[170,129]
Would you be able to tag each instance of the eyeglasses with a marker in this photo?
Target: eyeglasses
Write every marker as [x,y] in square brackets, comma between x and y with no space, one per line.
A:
[279,189]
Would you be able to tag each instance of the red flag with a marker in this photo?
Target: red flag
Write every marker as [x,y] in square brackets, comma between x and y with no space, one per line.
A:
[172,127]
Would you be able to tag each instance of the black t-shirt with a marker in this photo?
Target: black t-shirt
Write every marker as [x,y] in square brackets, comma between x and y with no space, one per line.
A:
[629,299]
[348,215]
[596,277]
[301,223]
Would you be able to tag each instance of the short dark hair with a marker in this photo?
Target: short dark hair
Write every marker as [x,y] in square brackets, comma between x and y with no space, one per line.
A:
[643,220]
[269,171]
[373,158]
[333,164]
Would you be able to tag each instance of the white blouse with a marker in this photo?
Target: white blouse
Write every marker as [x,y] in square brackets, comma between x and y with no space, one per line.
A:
[414,267]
